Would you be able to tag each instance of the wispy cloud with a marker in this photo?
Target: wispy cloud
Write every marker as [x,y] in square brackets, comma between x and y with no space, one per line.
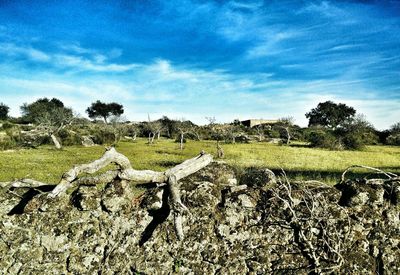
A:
[12,50]
[248,59]
[82,59]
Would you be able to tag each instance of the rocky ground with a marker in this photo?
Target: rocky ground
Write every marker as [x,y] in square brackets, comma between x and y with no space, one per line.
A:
[238,224]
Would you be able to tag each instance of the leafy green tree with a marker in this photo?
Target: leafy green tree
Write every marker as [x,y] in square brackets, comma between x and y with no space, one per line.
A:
[395,128]
[104,110]
[169,125]
[4,111]
[356,133]
[329,114]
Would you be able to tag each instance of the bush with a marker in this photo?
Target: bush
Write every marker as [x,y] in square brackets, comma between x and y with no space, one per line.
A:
[7,125]
[7,143]
[273,133]
[353,142]
[356,134]
[323,139]
[103,135]
[69,138]
[393,139]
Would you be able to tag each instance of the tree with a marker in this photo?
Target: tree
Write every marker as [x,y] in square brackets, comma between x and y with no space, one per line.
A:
[184,127]
[169,125]
[217,132]
[153,128]
[394,135]
[356,133]
[329,114]
[4,111]
[104,110]
[50,116]
[286,123]
[395,128]
[233,131]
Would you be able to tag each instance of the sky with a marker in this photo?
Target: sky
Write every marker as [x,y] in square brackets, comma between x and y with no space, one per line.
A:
[195,59]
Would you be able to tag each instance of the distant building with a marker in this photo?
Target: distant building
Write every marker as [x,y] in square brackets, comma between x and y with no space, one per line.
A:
[254,122]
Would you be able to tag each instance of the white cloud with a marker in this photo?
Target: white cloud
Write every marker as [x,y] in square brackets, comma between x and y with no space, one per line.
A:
[84,64]
[10,49]
[163,88]
[327,9]
[80,59]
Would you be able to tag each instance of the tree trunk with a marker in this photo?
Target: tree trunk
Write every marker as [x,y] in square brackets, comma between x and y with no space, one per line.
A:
[105,119]
[134,137]
[287,135]
[158,135]
[220,151]
[181,143]
[57,144]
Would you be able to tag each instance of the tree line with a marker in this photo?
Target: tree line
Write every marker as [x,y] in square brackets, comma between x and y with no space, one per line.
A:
[331,125]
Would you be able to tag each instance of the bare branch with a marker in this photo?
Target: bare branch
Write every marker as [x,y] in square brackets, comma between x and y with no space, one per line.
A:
[379,171]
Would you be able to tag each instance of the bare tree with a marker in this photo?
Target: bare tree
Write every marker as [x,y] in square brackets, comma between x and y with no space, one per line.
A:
[154,129]
[131,131]
[232,132]
[184,127]
[53,122]
[50,116]
[286,123]
[218,133]
[260,132]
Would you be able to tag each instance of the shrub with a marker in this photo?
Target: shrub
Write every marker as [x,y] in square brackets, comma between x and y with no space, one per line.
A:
[323,139]
[273,133]
[103,135]
[7,143]
[69,137]
[393,139]
[7,125]
[357,133]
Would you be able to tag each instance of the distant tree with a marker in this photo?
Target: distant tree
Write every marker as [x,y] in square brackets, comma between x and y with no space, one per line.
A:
[4,111]
[260,129]
[329,114]
[356,133]
[286,124]
[153,129]
[104,110]
[218,133]
[50,116]
[169,125]
[236,122]
[393,137]
[395,128]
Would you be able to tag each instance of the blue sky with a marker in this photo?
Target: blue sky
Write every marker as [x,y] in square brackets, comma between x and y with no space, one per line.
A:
[192,59]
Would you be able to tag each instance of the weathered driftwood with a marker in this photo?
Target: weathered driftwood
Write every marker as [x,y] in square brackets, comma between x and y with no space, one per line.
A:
[126,172]
[390,175]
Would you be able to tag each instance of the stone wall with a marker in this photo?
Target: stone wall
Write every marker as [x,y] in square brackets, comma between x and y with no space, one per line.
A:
[248,224]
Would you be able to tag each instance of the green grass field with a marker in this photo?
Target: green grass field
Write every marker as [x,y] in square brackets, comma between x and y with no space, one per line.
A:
[299,162]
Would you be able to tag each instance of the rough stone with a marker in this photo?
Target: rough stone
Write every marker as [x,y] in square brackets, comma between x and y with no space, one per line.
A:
[228,231]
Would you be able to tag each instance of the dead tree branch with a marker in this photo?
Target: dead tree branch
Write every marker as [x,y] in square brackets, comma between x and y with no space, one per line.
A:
[126,172]
[378,171]
[310,218]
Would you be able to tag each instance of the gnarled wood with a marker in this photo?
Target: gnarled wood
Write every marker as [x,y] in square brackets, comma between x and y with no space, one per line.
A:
[110,156]
[390,175]
[126,172]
